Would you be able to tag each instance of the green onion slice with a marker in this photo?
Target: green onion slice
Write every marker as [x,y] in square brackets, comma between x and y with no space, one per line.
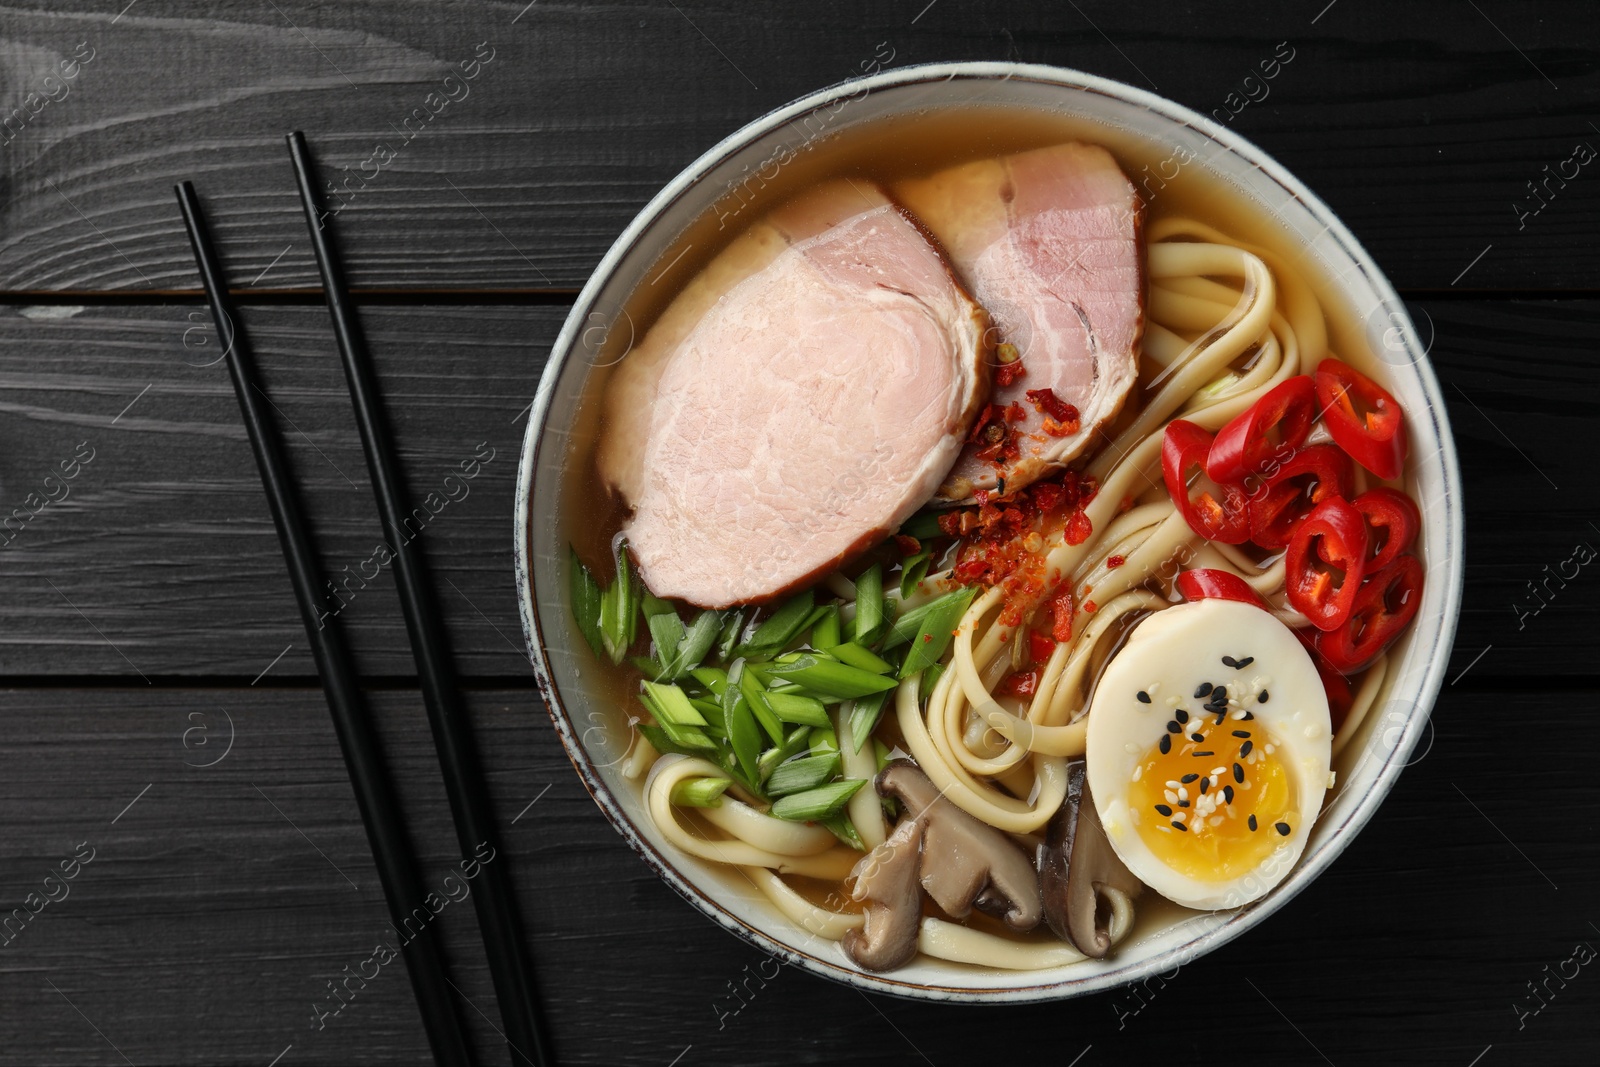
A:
[814,805]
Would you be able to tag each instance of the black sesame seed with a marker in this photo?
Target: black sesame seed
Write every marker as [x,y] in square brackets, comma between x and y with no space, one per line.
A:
[1197,737]
[1238,774]
[1222,713]
[1164,810]
[1186,779]
[1227,793]
[1205,753]
[1183,803]
[1174,728]
[1204,785]
[1282,828]
[1244,749]
[1249,715]
[1252,822]
[1241,733]
[1178,825]
[1246,662]
[1166,743]
[1181,715]
[1229,661]
[1263,697]
[1219,695]
[1143,697]
[1203,690]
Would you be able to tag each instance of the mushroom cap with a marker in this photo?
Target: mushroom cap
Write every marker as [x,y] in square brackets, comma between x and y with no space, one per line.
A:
[1076,865]
[886,878]
[964,859]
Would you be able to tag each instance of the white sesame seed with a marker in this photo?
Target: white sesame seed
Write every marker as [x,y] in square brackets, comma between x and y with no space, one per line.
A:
[1180,816]
[1137,771]
[1183,792]
[1172,784]
[1218,770]
[1172,798]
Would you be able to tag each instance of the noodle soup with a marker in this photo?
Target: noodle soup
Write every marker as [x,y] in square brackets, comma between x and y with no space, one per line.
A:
[951,678]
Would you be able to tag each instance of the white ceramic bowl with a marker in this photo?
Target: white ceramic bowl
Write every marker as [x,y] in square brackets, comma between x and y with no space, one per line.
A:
[562,664]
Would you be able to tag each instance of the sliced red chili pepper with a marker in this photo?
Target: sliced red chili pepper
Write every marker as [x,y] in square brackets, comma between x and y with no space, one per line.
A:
[1205,583]
[1334,684]
[1392,524]
[1061,615]
[1325,562]
[1020,683]
[1273,428]
[1040,647]
[1384,607]
[1364,419]
[1217,511]
[1287,495]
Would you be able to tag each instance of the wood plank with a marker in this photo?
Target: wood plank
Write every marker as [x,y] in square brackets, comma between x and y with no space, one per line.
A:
[206,925]
[165,533]
[161,559]
[1424,144]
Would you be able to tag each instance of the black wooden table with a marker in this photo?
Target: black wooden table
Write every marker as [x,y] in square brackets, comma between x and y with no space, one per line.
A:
[163,734]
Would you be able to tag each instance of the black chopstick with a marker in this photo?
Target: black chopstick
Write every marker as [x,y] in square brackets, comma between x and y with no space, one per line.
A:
[470,805]
[352,721]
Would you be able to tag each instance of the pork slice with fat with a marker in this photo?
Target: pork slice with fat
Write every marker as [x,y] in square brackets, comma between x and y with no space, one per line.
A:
[796,403]
[1049,242]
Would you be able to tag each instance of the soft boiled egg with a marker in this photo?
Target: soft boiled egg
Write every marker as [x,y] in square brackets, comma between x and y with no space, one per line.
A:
[1208,752]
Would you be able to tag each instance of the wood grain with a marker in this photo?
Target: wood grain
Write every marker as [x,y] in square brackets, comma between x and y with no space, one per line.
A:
[207,925]
[162,560]
[1422,137]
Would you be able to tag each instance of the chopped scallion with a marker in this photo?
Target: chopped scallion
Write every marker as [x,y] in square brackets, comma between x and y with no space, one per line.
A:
[790,746]
[585,594]
[845,830]
[692,646]
[909,624]
[799,775]
[823,802]
[700,792]
[807,711]
[732,625]
[825,631]
[829,677]
[913,570]
[781,627]
[864,717]
[756,696]
[669,703]
[870,620]
[856,656]
[743,734]
[935,632]
[922,525]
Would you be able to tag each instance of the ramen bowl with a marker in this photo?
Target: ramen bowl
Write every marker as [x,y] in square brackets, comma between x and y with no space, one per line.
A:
[1185,147]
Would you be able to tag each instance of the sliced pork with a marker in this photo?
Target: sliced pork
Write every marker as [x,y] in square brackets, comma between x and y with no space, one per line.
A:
[1048,240]
[798,401]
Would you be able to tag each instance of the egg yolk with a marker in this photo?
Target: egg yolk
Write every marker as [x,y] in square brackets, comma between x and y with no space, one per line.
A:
[1213,800]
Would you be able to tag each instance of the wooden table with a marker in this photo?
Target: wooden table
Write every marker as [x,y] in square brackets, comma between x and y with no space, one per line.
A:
[161,714]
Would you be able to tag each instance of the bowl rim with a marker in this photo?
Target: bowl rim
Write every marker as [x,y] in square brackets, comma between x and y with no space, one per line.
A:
[1447,569]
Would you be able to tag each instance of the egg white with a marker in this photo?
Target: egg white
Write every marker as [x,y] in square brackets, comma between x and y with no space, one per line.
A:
[1167,656]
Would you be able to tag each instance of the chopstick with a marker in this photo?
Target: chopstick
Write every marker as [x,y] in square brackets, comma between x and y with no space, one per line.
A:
[470,805]
[352,721]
